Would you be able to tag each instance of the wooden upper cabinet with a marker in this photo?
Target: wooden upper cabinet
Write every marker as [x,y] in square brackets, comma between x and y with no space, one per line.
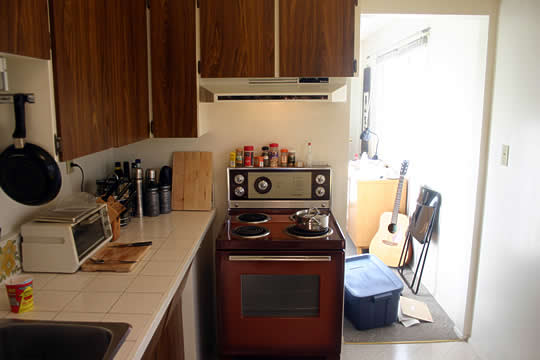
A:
[174,68]
[100,74]
[237,38]
[316,38]
[24,28]
[80,76]
[127,61]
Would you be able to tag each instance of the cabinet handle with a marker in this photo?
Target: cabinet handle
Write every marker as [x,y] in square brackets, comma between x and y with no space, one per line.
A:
[280,258]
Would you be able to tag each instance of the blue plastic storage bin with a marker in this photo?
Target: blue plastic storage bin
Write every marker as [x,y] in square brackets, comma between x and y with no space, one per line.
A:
[372,292]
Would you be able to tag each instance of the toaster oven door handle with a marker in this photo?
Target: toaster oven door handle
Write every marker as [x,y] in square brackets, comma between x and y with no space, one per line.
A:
[280,258]
[92,219]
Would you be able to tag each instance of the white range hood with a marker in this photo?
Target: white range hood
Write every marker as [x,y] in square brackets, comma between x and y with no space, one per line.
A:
[273,89]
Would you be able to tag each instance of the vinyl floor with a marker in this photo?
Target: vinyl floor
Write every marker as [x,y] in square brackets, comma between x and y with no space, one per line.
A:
[439,351]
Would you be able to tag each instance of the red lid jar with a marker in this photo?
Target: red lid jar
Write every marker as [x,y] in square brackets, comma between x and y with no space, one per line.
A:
[248,156]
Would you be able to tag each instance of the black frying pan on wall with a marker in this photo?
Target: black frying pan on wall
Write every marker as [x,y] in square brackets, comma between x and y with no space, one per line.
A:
[28,174]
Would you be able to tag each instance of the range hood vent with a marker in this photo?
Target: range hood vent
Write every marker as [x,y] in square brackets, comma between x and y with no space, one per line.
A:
[273,89]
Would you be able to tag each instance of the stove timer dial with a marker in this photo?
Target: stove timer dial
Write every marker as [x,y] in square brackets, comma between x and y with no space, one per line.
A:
[239,191]
[320,179]
[319,191]
[239,179]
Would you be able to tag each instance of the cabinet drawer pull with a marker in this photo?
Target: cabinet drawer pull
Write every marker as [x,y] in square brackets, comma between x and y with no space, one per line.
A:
[280,258]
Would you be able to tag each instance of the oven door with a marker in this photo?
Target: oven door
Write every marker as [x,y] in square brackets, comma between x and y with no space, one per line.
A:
[90,233]
[280,303]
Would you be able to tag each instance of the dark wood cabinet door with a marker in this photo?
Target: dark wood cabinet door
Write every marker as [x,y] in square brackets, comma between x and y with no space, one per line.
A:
[24,28]
[127,63]
[174,68]
[100,73]
[80,76]
[237,38]
[316,37]
[168,339]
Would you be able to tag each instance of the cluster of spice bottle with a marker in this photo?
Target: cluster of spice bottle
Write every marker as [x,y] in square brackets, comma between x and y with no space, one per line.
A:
[270,156]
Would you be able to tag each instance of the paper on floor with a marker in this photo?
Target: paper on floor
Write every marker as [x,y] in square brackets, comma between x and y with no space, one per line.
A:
[415,309]
[405,320]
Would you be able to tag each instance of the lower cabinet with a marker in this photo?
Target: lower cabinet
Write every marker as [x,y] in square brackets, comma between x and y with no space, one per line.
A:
[187,329]
[168,340]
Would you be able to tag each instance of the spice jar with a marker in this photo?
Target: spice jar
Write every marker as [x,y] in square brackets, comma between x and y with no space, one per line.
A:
[239,158]
[259,161]
[274,155]
[248,156]
[291,158]
[266,158]
[284,157]
[232,159]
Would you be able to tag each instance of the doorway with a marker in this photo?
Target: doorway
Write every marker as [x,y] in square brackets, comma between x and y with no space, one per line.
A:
[425,104]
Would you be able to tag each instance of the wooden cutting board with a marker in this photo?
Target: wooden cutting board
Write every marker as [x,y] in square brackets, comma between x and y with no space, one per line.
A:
[112,254]
[192,181]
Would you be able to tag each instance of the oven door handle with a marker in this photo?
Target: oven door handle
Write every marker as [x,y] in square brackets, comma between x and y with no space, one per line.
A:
[280,258]
[91,219]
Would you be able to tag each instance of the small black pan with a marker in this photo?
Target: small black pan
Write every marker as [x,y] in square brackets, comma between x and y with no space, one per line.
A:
[28,174]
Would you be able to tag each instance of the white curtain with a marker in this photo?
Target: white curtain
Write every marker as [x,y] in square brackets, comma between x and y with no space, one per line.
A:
[400,105]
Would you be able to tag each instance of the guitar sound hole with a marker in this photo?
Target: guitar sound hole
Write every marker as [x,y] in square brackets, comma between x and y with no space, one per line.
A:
[392,228]
[389,243]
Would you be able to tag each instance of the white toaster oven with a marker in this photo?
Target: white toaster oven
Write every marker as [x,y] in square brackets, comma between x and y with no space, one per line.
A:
[62,246]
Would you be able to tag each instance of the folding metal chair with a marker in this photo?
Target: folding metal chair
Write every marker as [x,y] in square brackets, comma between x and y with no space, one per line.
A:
[420,228]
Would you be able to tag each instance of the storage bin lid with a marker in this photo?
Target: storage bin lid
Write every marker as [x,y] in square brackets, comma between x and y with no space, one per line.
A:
[366,275]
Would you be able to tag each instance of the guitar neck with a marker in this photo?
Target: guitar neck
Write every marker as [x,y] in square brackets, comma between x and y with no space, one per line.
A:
[397,202]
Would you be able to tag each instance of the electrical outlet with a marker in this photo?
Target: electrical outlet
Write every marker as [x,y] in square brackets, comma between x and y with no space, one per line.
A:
[505,155]
[69,168]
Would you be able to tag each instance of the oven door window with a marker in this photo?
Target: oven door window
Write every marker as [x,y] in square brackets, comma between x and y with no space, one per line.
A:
[280,295]
[88,234]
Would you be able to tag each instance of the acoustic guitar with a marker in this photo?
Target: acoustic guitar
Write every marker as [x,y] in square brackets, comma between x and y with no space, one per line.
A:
[388,242]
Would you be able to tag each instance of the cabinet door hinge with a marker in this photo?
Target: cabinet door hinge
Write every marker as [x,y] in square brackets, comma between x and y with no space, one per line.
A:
[152,128]
[57,145]
[199,66]
[355,2]
[148,4]
[355,66]
[198,4]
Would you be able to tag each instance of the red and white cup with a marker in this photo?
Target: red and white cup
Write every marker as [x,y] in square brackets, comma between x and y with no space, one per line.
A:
[20,293]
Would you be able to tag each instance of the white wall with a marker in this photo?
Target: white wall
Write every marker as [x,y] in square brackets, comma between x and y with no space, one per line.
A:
[441,136]
[506,316]
[96,166]
[232,125]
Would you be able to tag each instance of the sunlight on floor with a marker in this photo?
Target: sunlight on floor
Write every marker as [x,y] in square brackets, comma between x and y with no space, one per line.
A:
[439,351]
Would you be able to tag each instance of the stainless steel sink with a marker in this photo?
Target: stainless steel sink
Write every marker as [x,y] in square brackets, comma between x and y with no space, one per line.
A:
[44,340]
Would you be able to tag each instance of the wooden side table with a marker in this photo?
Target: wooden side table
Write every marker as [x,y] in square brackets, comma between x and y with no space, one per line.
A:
[367,201]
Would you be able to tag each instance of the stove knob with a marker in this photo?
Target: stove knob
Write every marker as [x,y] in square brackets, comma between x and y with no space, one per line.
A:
[239,179]
[320,191]
[239,191]
[320,179]
[262,185]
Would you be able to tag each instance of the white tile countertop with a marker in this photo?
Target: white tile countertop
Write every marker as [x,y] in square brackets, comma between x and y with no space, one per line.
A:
[140,297]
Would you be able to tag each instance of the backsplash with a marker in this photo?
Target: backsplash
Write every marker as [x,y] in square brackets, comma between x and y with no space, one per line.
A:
[10,257]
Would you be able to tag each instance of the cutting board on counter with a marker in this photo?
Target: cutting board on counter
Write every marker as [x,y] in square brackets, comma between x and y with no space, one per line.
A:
[192,180]
[111,255]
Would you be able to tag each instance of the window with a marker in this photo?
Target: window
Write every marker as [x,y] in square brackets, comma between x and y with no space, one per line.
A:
[400,86]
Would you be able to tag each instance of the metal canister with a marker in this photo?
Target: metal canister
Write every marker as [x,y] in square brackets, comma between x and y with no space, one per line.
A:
[165,199]
[151,201]
[138,176]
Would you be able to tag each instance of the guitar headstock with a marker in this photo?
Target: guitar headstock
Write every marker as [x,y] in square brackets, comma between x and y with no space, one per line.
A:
[404,167]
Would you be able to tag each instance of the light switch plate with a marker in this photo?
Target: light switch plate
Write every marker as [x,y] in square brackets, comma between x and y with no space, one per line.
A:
[505,154]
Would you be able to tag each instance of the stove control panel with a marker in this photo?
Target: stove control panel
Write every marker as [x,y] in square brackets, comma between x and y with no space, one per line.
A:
[279,187]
